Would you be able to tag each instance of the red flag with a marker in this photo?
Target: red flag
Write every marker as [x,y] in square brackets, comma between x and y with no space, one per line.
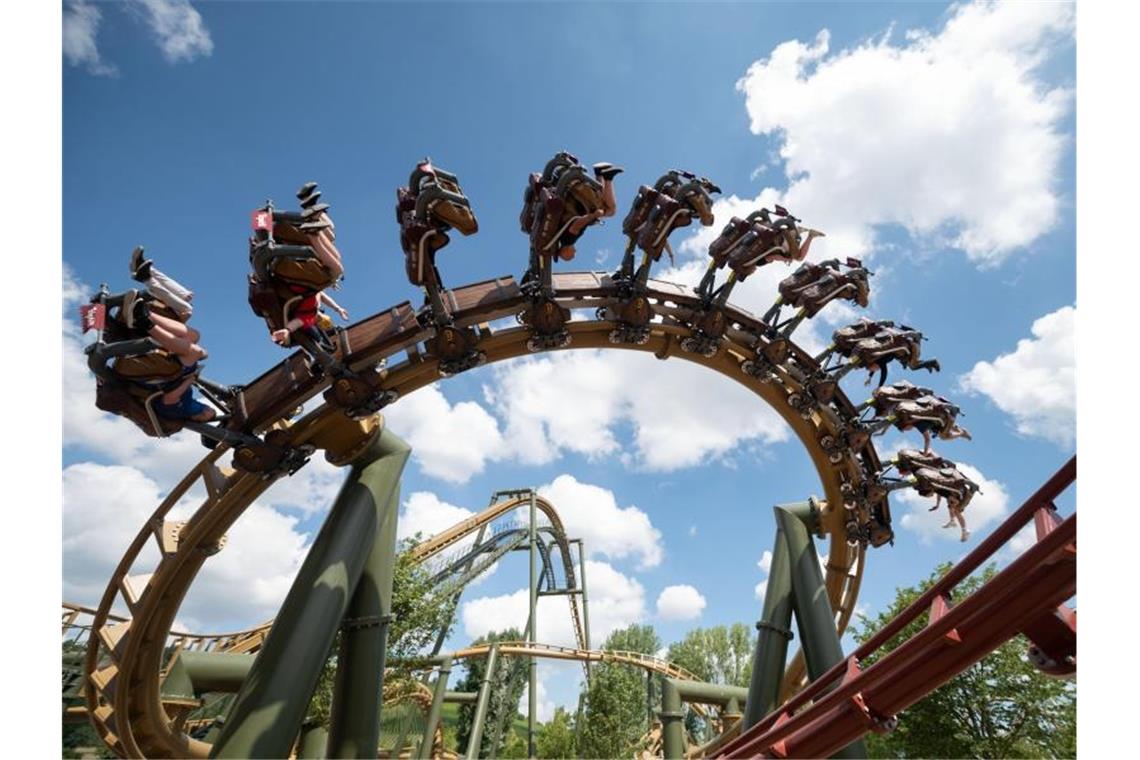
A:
[263,220]
[92,316]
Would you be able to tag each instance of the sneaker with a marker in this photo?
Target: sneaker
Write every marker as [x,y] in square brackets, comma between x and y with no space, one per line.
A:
[312,212]
[140,267]
[606,170]
[135,312]
[965,535]
[310,199]
[306,188]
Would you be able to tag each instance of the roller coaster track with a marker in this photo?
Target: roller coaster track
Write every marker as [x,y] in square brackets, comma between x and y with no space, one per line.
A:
[1027,597]
[124,658]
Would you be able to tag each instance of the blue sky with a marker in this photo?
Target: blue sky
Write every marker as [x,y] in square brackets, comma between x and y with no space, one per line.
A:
[944,158]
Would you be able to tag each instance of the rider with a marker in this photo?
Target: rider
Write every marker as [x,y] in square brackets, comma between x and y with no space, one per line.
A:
[173,335]
[604,173]
[305,315]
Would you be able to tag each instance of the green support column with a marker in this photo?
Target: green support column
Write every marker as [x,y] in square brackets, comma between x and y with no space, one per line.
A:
[436,708]
[815,619]
[267,713]
[354,722]
[532,697]
[672,728]
[585,600]
[772,642]
[313,742]
[476,737]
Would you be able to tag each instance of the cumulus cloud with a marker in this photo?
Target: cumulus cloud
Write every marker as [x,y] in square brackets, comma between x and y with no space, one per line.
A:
[591,513]
[575,401]
[543,702]
[988,506]
[81,22]
[449,441]
[178,29]
[104,507]
[616,601]
[1036,382]
[681,602]
[970,153]
[765,563]
[760,589]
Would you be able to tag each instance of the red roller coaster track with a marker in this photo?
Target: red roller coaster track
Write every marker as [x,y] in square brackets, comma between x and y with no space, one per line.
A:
[1028,597]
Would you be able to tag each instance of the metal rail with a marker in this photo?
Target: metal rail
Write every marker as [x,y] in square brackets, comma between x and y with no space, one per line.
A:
[848,700]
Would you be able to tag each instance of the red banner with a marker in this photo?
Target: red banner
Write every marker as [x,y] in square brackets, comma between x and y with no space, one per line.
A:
[263,220]
[92,316]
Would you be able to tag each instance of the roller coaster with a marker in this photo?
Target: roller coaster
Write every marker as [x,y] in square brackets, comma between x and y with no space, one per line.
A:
[820,703]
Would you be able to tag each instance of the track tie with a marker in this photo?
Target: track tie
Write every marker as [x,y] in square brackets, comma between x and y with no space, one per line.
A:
[113,637]
[133,587]
[217,479]
[106,680]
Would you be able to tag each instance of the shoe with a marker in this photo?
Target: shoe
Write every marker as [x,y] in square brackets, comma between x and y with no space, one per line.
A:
[313,212]
[965,535]
[135,312]
[306,188]
[310,199]
[312,228]
[140,267]
[606,170]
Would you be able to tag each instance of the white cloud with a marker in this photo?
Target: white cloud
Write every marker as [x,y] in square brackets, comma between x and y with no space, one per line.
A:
[178,29]
[543,702]
[989,505]
[970,153]
[104,507]
[450,442]
[80,29]
[681,602]
[765,562]
[1036,382]
[760,589]
[616,601]
[692,530]
[591,513]
[575,401]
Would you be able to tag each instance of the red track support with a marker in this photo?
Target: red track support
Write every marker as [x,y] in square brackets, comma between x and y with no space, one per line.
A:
[1033,587]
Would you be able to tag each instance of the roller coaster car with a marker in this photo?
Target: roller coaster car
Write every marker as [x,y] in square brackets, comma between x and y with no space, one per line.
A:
[891,344]
[945,481]
[553,199]
[909,461]
[675,206]
[431,204]
[844,339]
[132,373]
[936,412]
[887,397]
[851,285]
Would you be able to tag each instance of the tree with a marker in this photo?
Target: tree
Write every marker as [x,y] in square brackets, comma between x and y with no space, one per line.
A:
[556,739]
[721,654]
[616,715]
[999,707]
[506,690]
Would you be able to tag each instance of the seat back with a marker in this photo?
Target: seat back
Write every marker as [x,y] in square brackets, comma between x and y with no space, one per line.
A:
[639,211]
[156,366]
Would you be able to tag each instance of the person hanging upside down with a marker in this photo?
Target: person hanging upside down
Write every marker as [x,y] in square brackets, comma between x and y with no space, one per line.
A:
[604,172]
[173,335]
[955,508]
[305,316]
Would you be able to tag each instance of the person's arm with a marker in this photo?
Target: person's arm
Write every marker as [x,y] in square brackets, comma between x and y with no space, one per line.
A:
[326,298]
[281,337]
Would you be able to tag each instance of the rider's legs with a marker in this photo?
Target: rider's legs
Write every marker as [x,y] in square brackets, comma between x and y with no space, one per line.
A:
[170,292]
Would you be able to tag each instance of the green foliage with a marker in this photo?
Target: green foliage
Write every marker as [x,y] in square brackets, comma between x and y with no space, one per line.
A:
[616,716]
[556,739]
[999,707]
[506,689]
[722,654]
